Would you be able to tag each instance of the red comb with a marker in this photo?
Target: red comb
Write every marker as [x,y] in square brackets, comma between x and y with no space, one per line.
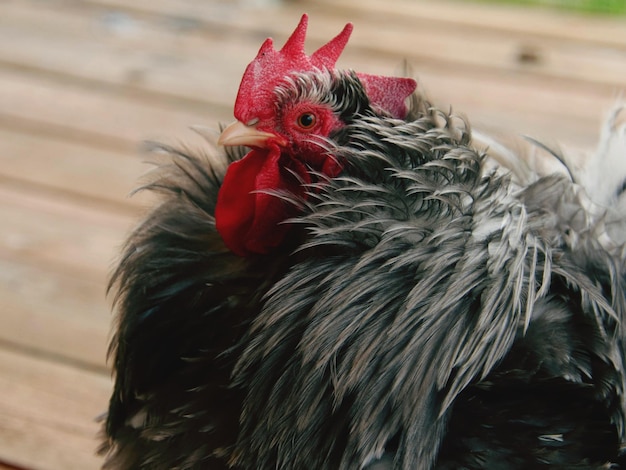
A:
[271,66]
[248,216]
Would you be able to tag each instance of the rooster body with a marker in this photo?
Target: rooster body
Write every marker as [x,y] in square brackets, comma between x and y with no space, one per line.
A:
[407,307]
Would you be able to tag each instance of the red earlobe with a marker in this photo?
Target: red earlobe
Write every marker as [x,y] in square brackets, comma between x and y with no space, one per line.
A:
[388,93]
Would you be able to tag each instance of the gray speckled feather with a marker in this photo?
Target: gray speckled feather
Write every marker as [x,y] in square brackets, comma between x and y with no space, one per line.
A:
[425,313]
[419,277]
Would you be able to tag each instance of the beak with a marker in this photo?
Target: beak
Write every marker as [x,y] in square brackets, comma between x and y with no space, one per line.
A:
[239,133]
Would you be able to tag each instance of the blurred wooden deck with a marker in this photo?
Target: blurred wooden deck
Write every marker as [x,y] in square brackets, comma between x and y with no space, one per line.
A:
[83,82]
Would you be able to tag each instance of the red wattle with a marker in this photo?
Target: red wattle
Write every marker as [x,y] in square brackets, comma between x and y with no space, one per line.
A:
[246,216]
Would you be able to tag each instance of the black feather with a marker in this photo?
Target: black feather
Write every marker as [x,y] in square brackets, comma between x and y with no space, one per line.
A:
[424,314]
[184,301]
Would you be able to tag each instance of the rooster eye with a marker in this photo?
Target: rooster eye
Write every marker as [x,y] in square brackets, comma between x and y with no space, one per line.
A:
[306,120]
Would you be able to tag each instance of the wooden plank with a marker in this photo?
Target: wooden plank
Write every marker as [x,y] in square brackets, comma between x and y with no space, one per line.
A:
[81,239]
[506,19]
[570,107]
[74,168]
[472,50]
[48,412]
[408,34]
[55,256]
[121,59]
[55,314]
[516,103]
[98,117]
[148,59]
[517,94]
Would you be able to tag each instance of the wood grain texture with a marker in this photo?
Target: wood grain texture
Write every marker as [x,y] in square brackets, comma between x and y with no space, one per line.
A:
[48,413]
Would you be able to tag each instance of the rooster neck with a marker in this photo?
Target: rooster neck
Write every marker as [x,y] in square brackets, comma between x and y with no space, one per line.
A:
[419,277]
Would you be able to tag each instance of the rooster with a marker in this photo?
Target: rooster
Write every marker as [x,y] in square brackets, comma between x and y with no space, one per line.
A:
[361,290]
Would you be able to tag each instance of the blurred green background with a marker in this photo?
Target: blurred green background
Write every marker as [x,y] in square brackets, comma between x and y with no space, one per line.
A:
[593,6]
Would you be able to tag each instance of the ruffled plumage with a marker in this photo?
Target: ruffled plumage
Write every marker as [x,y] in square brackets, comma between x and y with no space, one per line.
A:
[425,312]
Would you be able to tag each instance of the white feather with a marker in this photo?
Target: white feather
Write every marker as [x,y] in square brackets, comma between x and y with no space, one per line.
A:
[600,174]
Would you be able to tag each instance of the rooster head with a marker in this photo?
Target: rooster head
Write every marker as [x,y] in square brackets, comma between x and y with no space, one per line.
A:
[285,118]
